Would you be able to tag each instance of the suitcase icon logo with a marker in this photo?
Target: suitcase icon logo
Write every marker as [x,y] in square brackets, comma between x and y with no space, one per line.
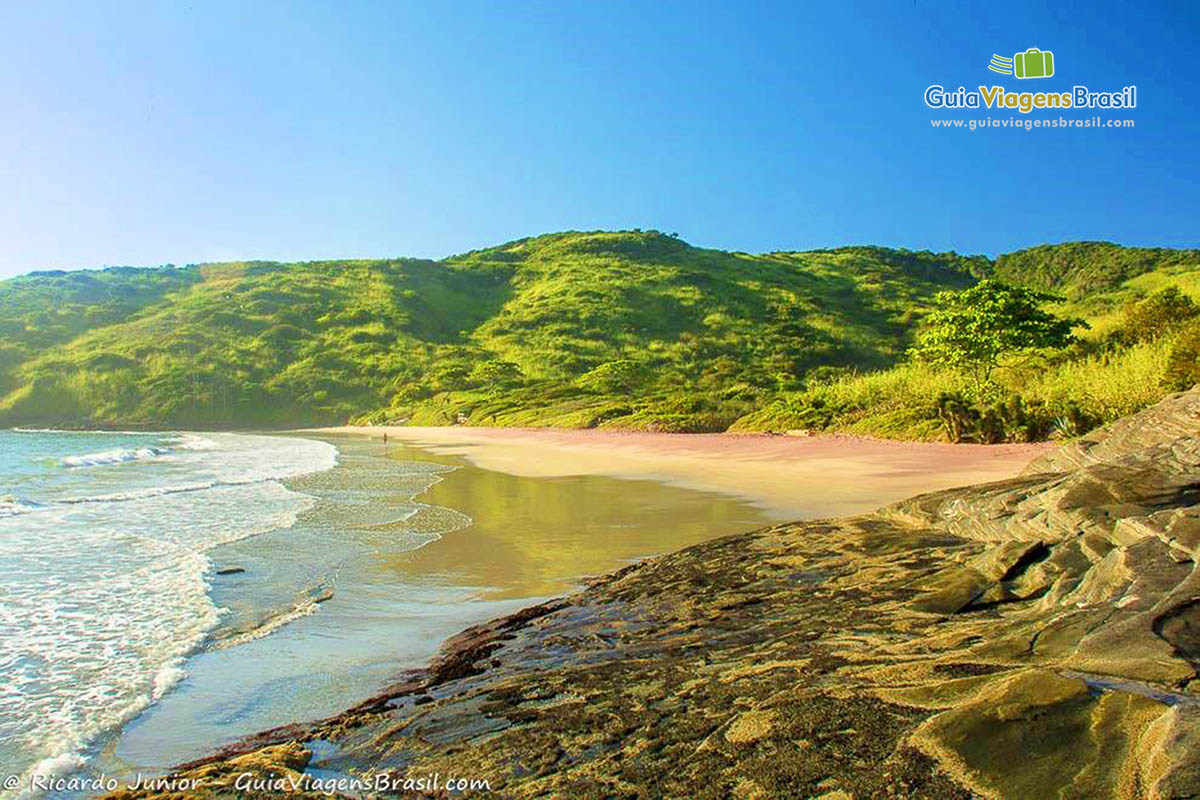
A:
[1033,63]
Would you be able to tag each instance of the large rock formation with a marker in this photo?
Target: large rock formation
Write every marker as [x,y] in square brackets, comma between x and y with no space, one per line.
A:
[1032,638]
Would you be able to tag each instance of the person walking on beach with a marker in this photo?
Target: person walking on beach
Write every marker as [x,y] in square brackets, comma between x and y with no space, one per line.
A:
[385,437]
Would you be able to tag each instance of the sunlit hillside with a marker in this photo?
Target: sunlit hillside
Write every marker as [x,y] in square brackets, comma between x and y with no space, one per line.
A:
[630,329]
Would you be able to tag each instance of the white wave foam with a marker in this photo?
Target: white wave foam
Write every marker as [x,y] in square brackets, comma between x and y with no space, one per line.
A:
[243,460]
[51,767]
[167,678]
[62,764]
[105,600]
[115,456]
[11,506]
[190,441]
[150,491]
[83,432]
[302,609]
[156,491]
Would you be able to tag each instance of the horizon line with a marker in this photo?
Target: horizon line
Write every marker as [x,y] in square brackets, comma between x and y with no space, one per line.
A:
[451,256]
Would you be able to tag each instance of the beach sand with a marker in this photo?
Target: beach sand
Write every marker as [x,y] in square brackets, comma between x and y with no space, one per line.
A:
[788,477]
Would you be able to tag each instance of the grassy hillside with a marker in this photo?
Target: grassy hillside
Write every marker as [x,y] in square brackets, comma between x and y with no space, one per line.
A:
[1079,269]
[45,309]
[631,329]
[1119,367]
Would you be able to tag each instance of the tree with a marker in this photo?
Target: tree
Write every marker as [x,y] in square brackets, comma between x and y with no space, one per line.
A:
[1158,314]
[990,326]
[1183,361]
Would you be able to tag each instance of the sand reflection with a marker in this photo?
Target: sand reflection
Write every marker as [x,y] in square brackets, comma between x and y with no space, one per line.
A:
[532,537]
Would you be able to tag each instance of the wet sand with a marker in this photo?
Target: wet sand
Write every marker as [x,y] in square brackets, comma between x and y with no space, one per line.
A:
[787,477]
[979,643]
[442,528]
[408,547]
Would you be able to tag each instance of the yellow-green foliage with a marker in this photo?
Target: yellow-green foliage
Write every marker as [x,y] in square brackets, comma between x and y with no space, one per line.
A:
[1131,358]
[895,403]
[1183,359]
[1108,385]
[633,329]
[627,330]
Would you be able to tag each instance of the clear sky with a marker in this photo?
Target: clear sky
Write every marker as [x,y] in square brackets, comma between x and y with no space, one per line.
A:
[146,133]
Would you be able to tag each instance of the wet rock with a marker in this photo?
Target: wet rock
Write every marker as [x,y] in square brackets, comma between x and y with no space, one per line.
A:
[1034,637]
[750,727]
[272,771]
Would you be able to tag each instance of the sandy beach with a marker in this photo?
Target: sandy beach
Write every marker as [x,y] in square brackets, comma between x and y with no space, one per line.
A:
[788,477]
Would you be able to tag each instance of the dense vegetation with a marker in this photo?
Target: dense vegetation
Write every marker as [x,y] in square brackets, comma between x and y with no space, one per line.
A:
[632,329]
[1142,342]
[991,326]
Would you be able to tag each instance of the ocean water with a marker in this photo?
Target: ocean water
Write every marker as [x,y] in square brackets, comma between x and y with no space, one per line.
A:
[105,575]
[164,594]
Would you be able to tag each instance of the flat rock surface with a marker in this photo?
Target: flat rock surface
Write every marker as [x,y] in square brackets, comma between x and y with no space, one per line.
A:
[1032,638]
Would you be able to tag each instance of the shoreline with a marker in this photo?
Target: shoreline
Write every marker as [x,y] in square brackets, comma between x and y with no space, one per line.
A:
[899,653]
[479,561]
[789,477]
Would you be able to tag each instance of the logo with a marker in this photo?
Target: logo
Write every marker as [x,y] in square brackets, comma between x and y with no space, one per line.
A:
[1033,63]
[1001,64]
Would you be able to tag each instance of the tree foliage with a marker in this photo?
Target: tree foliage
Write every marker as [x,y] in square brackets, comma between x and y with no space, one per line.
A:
[1183,361]
[981,329]
[1075,269]
[1161,313]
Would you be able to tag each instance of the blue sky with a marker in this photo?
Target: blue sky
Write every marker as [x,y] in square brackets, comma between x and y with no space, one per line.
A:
[148,133]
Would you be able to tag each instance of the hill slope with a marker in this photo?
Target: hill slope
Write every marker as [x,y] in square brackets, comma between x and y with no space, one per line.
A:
[1079,268]
[564,329]
[633,329]
[1117,369]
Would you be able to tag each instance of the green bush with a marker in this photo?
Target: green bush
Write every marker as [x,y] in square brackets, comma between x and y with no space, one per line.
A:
[1158,315]
[612,377]
[1183,360]
[1010,420]
[495,374]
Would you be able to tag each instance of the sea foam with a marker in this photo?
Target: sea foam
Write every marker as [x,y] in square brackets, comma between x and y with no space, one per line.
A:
[106,585]
[114,456]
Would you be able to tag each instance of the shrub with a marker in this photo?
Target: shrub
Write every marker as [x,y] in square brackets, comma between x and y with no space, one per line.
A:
[957,415]
[1183,360]
[1159,314]
[1011,420]
[1073,422]
[1106,385]
[612,376]
[495,374]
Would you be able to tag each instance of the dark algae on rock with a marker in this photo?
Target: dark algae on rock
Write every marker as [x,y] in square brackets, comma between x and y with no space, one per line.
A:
[1031,638]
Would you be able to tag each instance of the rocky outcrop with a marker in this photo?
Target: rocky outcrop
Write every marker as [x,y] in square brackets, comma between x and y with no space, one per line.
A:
[1033,638]
[1174,418]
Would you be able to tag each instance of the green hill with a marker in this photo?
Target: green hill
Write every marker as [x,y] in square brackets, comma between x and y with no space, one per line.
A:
[629,329]
[1116,370]
[1076,269]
